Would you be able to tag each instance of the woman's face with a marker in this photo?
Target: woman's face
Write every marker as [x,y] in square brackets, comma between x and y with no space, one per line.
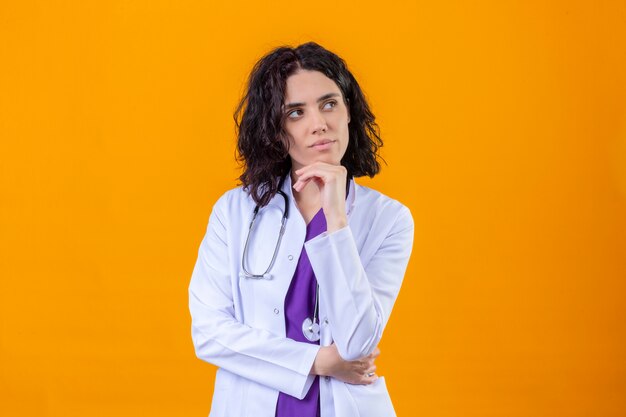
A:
[316,119]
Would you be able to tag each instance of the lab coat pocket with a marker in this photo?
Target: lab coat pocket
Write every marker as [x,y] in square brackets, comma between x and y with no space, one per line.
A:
[371,400]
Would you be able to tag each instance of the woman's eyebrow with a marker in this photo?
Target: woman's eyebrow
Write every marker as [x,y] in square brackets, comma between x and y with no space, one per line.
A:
[322,98]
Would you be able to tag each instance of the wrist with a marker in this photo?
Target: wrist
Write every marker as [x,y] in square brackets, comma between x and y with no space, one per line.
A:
[321,364]
[334,223]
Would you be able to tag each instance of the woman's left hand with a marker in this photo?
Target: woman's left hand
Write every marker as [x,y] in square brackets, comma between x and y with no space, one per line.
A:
[331,181]
[361,371]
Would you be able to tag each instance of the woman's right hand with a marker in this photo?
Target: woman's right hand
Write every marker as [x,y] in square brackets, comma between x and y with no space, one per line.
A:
[328,362]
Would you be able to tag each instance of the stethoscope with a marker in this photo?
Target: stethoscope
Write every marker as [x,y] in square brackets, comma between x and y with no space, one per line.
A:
[265,274]
[310,326]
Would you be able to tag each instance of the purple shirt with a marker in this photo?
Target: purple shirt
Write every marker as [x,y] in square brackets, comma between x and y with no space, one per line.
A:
[300,304]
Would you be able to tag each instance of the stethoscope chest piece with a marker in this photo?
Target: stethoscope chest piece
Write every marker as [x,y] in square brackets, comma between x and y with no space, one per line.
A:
[311,330]
[311,326]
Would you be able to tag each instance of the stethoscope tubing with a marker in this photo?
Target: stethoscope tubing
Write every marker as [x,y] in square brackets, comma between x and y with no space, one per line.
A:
[310,327]
[283,223]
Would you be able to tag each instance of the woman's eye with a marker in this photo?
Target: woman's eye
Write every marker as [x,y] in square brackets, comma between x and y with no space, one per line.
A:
[330,104]
[294,114]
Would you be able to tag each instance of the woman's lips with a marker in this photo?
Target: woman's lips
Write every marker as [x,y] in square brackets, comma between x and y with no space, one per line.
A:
[323,144]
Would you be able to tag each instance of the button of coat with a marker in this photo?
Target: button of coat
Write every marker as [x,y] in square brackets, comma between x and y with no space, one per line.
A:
[325,320]
[327,378]
[276,311]
[290,257]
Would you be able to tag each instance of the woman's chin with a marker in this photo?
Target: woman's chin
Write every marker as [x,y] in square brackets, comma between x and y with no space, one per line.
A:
[327,159]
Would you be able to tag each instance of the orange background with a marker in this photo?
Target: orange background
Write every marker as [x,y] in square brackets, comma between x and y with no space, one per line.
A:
[505,133]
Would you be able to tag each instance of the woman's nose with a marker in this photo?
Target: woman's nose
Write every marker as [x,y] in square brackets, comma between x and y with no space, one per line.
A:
[318,123]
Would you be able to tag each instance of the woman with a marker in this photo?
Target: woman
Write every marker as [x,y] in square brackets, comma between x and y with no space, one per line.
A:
[292,314]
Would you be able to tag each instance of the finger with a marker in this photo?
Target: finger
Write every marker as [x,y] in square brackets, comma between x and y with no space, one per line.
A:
[313,172]
[320,176]
[369,378]
[321,169]
[300,184]
[370,370]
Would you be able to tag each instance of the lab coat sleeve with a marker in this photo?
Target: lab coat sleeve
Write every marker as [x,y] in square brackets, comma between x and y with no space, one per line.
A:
[358,298]
[219,338]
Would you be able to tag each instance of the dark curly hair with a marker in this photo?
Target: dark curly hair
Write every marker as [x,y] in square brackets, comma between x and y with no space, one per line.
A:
[263,144]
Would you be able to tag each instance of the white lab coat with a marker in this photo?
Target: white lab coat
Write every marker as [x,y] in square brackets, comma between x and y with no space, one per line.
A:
[238,322]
